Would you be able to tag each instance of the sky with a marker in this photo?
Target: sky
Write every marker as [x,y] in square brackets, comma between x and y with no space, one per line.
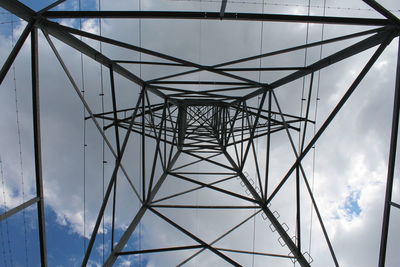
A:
[348,173]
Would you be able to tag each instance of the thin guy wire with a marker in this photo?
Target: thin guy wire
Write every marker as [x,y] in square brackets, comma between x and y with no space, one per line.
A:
[103,124]
[3,243]
[6,220]
[140,180]
[315,129]
[258,105]
[304,78]
[11,21]
[19,146]
[289,5]
[302,91]
[84,143]
[198,87]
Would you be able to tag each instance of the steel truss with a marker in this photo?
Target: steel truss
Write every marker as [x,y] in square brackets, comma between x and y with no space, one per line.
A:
[203,125]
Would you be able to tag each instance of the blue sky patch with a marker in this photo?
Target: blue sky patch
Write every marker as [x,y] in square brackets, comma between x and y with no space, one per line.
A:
[351,206]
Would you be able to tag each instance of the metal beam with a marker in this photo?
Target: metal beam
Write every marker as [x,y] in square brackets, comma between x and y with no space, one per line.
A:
[157,151]
[299,167]
[193,189]
[18,45]
[334,112]
[258,198]
[132,226]
[38,145]
[227,207]
[147,51]
[280,52]
[15,210]
[255,253]
[82,47]
[182,124]
[216,16]
[88,109]
[220,237]
[391,165]
[383,11]
[56,3]
[223,7]
[395,205]
[268,147]
[159,250]
[217,189]
[111,184]
[279,228]
[196,138]
[18,9]
[118,146]
[347,52]
[218,253]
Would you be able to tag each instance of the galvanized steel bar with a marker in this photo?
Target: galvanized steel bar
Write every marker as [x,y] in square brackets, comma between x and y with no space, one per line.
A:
[17,209]
[38,145]
[216,16]
[391,165]
[17,47]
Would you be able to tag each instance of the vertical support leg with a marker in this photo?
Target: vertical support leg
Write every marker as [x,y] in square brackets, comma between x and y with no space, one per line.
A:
[143,140]
[267,159]
[391,165]
[37,145]
[115,116]
[182,124]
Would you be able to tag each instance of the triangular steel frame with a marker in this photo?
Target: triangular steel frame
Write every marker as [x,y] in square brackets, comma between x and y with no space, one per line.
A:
[203,122]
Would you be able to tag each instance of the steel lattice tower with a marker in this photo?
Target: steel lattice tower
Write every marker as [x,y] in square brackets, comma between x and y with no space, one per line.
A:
[216,129]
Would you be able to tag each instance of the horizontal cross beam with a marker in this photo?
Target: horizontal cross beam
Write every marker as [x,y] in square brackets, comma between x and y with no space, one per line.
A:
[216,16]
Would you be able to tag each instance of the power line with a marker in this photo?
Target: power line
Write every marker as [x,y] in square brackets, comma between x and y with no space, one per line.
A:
[289,5]
[103,124]
[200,44]
[84,141]
[5,208]
[258,105]
[19,146]
[301,132]
[143,139]
[315,129]
[10,21]
[3,244]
